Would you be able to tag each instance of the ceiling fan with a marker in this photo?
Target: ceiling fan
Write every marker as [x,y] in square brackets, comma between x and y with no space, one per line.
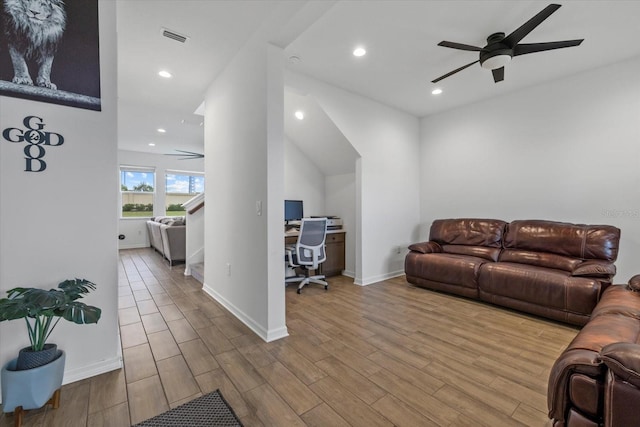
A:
[500,49]
[186,155]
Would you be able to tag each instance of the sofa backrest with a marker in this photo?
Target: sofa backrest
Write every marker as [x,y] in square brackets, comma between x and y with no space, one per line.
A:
[468,231]
[469,236]
[579,241]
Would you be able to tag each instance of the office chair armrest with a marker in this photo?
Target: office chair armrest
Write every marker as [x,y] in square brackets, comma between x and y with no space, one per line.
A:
[289,251]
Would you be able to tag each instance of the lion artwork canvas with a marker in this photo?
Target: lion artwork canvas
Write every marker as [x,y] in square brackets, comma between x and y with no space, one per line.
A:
[33,29]
[49,51]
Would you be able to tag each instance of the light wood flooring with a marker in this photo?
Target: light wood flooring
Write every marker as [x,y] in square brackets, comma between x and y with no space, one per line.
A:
[381,355]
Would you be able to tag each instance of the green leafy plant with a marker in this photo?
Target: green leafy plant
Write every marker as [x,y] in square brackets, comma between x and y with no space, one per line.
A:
[39,307]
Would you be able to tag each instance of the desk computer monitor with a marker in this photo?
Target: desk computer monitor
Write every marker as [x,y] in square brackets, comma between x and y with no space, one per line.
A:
[293,210]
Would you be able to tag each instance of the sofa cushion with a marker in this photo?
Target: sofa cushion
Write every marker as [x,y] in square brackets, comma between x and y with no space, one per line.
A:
[468,231]
[541,259]
[617,299]
[458,270]
[604,330]
[176,222]
[490,254]
[573,240]
[522,282]
[538,285]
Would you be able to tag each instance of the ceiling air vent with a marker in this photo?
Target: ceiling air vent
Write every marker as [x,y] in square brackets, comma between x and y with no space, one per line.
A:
[174,36]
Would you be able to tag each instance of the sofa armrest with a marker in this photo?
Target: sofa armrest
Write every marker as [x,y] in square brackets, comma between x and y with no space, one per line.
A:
[572,361]
[634,283]
[426,247]
[595,268]
[174,242]
[623,359]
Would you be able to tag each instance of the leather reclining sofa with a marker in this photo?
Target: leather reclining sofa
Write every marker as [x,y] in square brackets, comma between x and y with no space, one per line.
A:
[552,269]
[596,380]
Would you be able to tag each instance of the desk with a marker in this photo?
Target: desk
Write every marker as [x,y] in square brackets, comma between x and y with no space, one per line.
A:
[334,247]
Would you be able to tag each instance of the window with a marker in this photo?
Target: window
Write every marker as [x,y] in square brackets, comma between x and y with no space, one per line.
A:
[181,187]
[137,191]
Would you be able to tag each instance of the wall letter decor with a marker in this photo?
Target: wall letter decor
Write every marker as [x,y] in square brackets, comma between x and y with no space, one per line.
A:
[37,139]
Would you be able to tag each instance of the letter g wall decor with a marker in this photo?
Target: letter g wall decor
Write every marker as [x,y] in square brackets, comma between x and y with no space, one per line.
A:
[36,140]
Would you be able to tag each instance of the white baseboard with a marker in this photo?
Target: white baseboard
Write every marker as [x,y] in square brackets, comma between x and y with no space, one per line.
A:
[91,370]
[376,279]
[133,246]
[277,334]
[349,273]
[267,336]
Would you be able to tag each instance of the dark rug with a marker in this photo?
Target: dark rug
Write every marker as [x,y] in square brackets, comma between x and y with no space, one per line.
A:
[210,410]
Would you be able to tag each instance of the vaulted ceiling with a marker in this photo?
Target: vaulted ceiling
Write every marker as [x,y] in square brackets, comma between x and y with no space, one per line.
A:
[400,38]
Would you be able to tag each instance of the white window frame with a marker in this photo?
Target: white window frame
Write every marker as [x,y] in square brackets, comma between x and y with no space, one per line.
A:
[143,169]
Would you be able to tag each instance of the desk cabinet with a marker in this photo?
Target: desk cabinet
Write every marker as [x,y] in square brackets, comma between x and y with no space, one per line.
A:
[334,247]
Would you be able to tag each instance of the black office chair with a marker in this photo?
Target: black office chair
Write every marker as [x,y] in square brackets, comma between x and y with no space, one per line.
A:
[309,252]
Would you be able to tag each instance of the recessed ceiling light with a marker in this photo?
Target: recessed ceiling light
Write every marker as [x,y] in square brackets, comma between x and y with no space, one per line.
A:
[162,130]
[299,115]
[165,74]
[359,51]
[151,144]
[436,91]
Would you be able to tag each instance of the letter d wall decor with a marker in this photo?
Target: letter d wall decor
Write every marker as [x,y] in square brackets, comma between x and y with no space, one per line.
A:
[36,140]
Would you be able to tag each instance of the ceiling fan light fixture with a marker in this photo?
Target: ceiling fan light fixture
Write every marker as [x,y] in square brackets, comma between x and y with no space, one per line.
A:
[497,61]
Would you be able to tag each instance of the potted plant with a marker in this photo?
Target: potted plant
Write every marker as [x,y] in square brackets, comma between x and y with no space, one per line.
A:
[39,307]
[42,310]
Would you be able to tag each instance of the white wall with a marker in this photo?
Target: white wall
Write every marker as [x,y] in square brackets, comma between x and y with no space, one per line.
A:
[322,195]
[135,229]
[244,166]
[303,180]
[567,150]
[341,202]
[61,223]
[387,175]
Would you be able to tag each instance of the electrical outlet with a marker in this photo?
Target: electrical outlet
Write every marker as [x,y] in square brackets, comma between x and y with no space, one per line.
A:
[228,269]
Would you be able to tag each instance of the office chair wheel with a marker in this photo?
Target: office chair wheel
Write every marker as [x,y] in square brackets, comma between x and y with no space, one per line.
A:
[298,291]
[326,287]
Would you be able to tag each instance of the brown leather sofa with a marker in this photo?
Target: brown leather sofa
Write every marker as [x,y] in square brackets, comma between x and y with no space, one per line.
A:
[552,269]
[596,380]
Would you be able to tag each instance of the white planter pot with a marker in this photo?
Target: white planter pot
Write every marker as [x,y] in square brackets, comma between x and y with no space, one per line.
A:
[30,388]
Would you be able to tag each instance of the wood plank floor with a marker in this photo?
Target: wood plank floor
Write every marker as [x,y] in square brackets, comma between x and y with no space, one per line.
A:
[385,354]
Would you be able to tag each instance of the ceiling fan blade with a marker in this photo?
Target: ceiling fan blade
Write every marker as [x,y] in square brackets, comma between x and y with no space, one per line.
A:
[460,46]
[498,74]
[454,71]
[512,39]
[186,154]
[523,49]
